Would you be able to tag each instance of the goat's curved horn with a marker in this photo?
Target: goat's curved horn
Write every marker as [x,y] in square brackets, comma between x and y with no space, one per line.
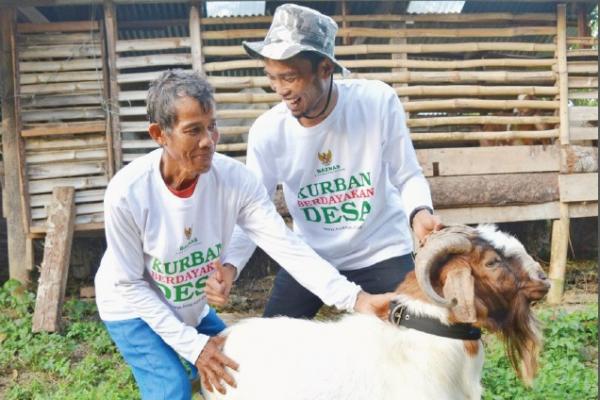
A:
[451,240]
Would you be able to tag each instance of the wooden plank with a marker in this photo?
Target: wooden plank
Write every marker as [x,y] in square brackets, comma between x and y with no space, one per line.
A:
[153,44]
[51,144]
[50,114]
[81,196]
[583,133]
[56,66]
[33,39]
[69,155]
[70,128]
[584,82]
[577,159]
[62,88]
[55,265]
[20,250]
[80,182]
[53,77]
[83,223]
[574,67]
[110,29]
[74,26]
[196,38]
[582,53]
[563,83]
[39,101]
[588,94]
[478,136]
[60,51]
[581,113]
[489,160]
[108,134]
[528,212]
[61,170]
[80,209]
[578,187]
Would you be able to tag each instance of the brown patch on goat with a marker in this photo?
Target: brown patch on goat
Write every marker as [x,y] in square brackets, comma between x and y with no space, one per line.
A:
[411,288]
[471,347]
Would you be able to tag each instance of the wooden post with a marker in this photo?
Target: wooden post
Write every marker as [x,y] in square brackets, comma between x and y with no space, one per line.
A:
[110,29]
[106,96]
[560,227]
[20,247]
[55,266]
[344,6]
[582,28]
[196,38]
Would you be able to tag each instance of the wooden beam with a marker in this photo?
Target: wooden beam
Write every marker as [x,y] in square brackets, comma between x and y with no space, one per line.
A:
[563,77]
[110,30]
[108,133]
[578,187]
[20,248]
[196,38]
[55,266]
[558,255]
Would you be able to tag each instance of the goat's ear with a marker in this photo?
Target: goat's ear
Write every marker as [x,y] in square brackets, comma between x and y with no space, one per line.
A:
[460,289]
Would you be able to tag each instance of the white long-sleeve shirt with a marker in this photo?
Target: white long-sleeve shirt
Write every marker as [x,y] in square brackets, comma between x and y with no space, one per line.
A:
[161,248]
[349,182]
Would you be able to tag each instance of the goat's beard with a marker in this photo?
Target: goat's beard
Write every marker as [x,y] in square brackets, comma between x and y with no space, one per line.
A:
[522,339]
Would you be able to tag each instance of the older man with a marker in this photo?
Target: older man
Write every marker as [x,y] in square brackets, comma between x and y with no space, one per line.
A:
[342,152]
[169,216]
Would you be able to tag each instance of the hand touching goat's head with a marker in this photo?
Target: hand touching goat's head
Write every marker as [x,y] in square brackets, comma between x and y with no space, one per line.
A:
[485,277]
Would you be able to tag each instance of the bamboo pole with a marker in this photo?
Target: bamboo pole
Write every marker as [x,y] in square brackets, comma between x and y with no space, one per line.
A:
[460,18]
[20,248]
[473,90]
[232,51]
[481,120]
[560,227]
[404,77]
[390,33]
[455,104]
[487,135]
[154,60]
[196,38]
[371,63]
[110,30]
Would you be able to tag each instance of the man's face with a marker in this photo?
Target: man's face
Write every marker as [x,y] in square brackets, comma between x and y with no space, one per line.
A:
[193,138]
[303,90]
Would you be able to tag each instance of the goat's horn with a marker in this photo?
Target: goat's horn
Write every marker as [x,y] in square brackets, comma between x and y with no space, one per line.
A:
[448,241]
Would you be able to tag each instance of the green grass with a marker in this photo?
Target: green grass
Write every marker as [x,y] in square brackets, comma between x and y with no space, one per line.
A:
[82,363]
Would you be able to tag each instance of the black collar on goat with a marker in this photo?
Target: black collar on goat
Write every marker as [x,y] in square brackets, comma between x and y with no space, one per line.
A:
[401,316]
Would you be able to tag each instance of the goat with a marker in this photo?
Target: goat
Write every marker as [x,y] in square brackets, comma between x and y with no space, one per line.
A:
[464,277]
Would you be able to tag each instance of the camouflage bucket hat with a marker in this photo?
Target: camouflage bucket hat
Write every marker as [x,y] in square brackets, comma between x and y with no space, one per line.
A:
[295,29]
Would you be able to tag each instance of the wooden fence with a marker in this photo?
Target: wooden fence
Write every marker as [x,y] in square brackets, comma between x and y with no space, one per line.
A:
[486,95]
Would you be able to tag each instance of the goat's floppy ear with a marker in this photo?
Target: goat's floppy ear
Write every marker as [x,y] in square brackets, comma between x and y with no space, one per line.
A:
[459,288]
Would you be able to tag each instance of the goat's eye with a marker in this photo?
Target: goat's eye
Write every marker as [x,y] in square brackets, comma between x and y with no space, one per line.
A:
[493,263]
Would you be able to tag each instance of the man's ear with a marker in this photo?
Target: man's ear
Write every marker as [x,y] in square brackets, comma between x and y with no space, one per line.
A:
[156,133]
[326,68]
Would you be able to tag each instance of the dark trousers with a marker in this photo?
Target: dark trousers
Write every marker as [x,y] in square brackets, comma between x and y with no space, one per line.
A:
[289,298]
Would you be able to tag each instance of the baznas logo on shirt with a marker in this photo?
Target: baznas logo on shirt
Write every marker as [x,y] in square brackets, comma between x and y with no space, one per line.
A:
[187,232]
[325,158]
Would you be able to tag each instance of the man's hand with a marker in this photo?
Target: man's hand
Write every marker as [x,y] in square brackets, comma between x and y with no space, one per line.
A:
[424,223]
[377,304]
[211,365]
[219,284]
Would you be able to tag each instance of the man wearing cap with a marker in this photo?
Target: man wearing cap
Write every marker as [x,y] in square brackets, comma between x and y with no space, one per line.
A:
[342,152]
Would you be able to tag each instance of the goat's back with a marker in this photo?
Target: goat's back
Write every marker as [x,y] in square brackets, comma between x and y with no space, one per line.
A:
[293,359]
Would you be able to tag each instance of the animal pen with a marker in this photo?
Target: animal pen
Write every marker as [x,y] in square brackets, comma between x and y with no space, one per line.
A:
[494,96]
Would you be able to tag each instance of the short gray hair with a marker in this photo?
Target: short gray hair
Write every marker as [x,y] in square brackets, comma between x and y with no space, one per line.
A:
[170,86]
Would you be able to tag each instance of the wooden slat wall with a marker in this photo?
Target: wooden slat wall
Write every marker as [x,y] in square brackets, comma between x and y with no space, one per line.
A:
[63,115]
[480,92]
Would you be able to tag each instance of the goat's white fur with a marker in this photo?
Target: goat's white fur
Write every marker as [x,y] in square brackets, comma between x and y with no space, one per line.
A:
[357,358]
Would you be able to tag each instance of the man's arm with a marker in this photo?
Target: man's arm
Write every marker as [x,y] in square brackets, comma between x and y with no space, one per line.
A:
[405,172]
